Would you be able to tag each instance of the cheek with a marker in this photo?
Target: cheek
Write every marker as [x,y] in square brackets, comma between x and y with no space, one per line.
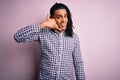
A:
[67,19]
[57,21]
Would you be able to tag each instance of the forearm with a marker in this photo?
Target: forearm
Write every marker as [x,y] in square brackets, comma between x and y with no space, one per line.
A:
[77,60]
[26,33]
[78,65]
[79,70]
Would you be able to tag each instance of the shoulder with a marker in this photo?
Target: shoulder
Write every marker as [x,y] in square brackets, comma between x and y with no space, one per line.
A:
[76,38]
[45,30]
[75,35]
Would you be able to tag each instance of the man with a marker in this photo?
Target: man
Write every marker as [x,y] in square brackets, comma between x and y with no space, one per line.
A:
[59,45]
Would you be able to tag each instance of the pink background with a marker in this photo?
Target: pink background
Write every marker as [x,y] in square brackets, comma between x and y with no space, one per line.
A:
[97,23]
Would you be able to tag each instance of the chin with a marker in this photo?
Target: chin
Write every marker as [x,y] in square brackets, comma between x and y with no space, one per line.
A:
[63,28]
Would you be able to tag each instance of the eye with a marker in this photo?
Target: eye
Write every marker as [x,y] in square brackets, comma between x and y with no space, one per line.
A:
[58,17]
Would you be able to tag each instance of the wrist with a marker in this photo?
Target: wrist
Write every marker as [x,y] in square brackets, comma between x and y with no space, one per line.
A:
[42,25]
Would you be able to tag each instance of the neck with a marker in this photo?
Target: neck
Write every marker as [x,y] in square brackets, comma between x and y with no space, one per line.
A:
[58,31]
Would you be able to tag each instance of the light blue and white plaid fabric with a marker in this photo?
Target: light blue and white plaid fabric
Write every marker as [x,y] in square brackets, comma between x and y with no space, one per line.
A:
[58,52]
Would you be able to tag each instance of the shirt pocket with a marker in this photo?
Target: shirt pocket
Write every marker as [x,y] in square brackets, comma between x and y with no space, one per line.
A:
[69,45]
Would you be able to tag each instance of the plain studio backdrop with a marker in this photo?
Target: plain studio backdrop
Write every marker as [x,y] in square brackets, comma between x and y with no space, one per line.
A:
[97,23]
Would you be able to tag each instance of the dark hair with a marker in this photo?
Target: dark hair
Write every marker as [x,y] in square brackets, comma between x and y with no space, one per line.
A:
[69,29]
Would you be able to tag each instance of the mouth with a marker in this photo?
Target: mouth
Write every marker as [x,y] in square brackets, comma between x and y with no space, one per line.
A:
[62,25]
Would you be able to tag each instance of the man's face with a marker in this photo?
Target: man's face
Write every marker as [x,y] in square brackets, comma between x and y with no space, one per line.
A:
[61,18]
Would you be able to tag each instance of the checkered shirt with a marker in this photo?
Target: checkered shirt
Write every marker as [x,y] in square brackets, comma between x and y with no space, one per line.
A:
[58,52]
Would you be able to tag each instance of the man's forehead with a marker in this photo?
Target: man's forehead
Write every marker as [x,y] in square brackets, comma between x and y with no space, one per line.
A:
[60,12]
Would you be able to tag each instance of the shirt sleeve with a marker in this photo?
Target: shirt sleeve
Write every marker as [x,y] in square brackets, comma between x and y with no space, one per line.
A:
[27,34]
[77,61]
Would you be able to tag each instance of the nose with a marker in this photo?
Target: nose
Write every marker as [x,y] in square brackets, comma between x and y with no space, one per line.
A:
[63,19]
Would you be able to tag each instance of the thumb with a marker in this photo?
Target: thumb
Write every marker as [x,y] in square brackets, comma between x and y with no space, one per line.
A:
[47,17]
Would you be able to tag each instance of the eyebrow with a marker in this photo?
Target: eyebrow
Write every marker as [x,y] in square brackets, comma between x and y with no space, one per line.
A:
[60,15]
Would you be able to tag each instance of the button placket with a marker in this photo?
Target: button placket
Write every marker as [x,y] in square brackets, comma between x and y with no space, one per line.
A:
[60,54]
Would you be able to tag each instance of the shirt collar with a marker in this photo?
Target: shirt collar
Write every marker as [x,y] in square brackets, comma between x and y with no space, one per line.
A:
[53,31]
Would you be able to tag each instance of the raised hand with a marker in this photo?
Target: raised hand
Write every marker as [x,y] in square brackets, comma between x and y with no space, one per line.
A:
[49,23]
